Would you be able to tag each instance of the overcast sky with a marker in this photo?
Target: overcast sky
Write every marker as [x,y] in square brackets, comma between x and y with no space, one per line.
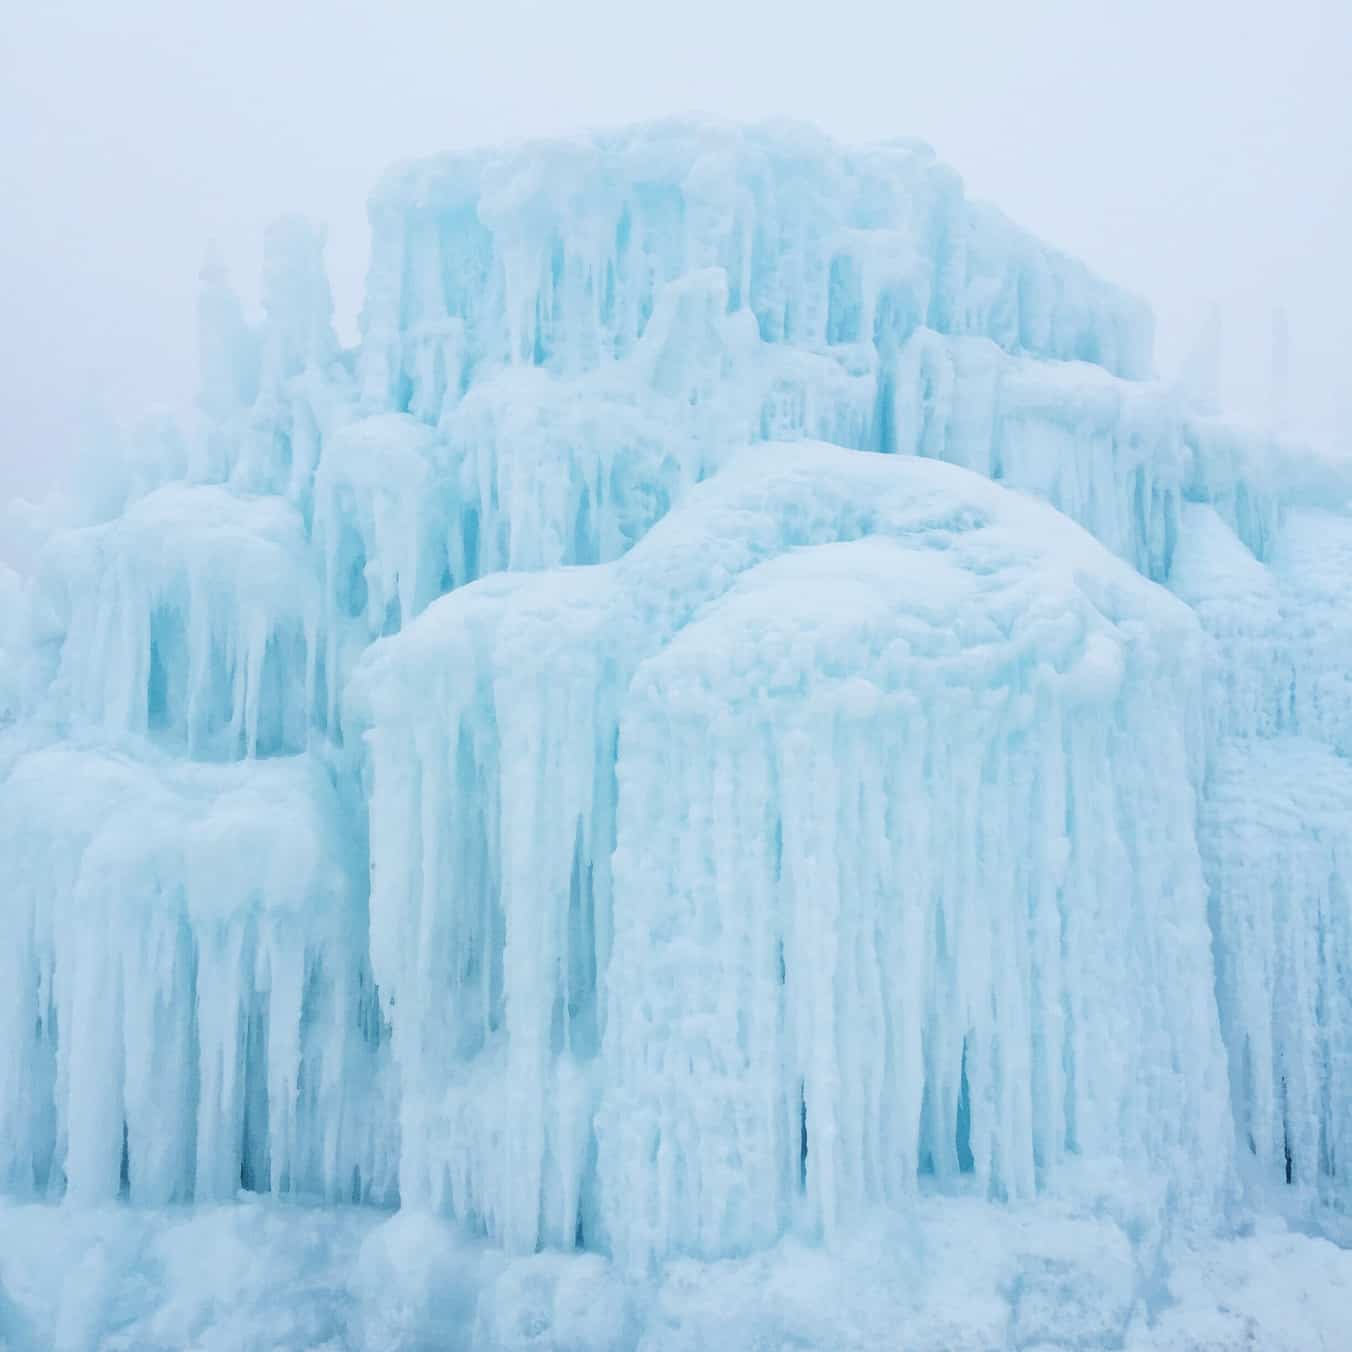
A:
[1198,151]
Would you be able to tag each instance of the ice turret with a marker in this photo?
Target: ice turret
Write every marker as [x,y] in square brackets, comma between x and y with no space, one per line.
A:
[302,390]
[298,332]
[227,350]
[1199,378]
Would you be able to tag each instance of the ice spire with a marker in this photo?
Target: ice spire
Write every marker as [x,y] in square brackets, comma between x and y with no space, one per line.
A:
[279,449]
[1199,377]
[296,300]
[226,349]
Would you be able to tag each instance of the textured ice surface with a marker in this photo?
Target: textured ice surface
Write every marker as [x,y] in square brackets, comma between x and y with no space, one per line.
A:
[738,760]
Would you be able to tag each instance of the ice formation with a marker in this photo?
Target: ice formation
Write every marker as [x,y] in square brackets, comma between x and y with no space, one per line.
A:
[739,708]
[816,647]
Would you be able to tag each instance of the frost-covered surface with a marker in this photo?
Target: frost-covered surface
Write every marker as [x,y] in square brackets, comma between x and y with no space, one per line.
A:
[581,769]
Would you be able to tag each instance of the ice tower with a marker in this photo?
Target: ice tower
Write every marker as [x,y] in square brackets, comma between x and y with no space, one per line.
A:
[741,700]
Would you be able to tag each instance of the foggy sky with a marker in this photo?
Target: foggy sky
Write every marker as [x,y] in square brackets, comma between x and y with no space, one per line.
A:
[1197,151]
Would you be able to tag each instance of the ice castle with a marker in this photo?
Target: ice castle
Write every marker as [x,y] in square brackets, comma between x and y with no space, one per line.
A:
[741,702]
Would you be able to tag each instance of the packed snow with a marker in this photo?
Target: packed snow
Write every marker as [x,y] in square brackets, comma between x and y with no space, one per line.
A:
[738,773]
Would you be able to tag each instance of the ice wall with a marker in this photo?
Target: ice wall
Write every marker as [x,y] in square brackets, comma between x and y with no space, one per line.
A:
[579,762]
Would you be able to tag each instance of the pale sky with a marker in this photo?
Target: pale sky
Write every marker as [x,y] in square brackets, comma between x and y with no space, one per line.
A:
[1197,151]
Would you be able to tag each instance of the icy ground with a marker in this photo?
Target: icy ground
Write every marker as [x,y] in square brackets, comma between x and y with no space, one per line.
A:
[738,774]
[951,1275]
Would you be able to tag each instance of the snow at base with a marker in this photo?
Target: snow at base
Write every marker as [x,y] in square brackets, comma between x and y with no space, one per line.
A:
[738,761]
[950,1274]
